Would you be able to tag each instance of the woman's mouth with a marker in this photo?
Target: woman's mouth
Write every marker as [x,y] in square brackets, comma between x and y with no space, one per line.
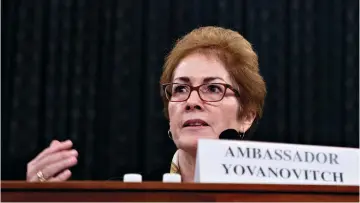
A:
[194,123]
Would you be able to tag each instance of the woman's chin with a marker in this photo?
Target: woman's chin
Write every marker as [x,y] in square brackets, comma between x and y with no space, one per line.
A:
[193,134]
[197,132]
[189,146]
[189,141]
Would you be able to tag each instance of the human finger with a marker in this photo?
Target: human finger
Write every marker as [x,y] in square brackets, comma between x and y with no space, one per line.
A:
[62,176]
[54,142]
[55,168]
[54,147]
[52,161]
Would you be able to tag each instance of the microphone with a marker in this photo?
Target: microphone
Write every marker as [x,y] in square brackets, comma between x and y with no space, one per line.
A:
[229,134]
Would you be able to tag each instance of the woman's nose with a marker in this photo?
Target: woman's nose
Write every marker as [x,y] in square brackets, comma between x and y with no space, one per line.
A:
[194,101]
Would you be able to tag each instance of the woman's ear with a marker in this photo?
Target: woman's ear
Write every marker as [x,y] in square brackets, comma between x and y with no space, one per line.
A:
[247,120]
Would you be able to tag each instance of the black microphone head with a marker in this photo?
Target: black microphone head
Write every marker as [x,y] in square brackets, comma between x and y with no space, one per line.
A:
[229,134]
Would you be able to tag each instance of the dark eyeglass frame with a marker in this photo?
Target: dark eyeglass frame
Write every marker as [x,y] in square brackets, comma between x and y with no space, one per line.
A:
[197,88]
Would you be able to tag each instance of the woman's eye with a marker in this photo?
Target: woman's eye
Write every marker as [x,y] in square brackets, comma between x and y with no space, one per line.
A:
[214,88]
[179,88]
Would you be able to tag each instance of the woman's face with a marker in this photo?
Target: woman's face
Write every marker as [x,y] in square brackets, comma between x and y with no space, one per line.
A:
[193,119]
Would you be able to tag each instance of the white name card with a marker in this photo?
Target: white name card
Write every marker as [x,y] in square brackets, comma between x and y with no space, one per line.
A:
[225,161]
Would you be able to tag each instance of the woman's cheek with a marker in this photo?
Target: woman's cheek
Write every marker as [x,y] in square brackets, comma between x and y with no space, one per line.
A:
[174,120]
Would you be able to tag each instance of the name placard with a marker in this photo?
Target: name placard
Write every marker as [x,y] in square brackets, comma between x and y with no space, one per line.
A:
[225,161]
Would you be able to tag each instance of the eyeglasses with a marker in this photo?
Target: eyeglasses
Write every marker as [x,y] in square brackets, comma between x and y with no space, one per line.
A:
[211,92]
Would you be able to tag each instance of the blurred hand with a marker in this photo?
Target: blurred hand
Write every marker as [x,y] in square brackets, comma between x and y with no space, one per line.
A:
[53,162]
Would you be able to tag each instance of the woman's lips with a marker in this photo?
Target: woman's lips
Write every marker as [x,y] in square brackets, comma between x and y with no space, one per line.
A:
[195,123]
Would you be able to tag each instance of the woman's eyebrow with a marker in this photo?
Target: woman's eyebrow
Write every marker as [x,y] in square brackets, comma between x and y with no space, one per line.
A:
[209,79]
[205,80]
[183,79]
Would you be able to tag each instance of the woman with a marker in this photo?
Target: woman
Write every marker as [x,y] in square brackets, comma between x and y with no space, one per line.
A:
[210,83]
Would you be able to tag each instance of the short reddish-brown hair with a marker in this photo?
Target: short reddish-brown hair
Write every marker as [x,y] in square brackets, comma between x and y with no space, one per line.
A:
[237,55]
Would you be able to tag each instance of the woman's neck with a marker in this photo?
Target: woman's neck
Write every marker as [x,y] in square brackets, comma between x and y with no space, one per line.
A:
[187,166]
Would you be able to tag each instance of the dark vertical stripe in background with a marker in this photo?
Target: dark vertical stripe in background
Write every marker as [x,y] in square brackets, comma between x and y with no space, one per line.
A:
[89,71]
